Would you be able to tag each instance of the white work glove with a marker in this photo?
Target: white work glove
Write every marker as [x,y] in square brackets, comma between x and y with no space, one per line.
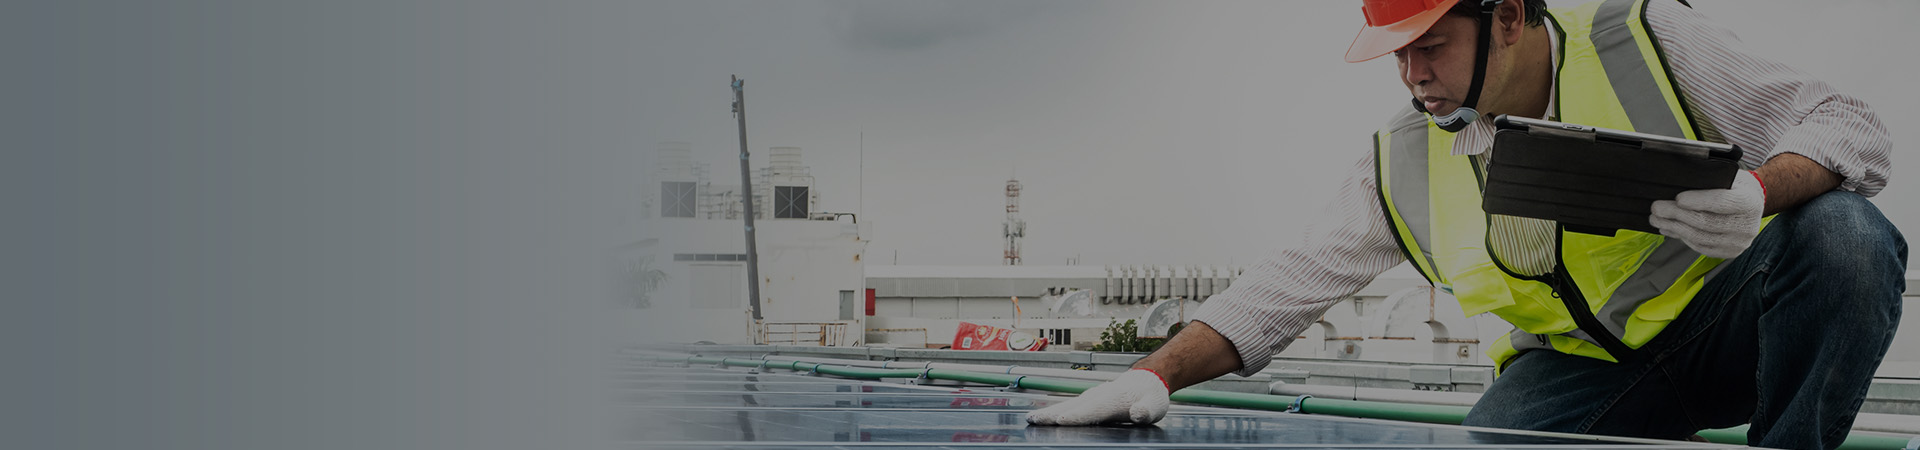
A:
[1719,223]
[1137,396]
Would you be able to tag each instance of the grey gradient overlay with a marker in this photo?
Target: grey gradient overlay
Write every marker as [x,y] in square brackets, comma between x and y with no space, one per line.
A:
[312,225]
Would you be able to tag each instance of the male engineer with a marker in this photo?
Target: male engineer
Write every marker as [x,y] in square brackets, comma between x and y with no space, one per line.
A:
[1769,303]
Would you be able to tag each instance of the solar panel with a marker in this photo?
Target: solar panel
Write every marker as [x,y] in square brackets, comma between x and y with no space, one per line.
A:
[838,400]
[717,408]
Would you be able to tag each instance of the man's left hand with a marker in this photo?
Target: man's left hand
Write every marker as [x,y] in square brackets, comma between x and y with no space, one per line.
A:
[1719,223]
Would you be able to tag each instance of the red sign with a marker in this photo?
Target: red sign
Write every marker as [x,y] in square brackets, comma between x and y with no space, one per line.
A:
[962,402]
[982,337]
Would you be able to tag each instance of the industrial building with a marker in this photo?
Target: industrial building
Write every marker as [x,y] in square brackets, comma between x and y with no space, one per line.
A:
[691,264]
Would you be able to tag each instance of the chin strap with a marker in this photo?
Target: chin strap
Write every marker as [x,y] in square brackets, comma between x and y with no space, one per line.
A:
[1465,114]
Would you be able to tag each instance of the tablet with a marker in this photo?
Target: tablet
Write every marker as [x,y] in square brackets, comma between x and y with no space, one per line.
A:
[1595,180]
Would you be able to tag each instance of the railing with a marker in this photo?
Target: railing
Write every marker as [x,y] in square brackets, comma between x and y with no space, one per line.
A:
[824,334]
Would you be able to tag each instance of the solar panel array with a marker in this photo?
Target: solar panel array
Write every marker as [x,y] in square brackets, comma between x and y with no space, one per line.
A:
[704,407]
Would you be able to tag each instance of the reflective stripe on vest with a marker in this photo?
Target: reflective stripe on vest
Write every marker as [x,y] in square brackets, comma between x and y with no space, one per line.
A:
[1611,75]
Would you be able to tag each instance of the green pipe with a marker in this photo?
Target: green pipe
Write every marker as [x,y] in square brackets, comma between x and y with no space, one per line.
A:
[1737,436]
[1024,381]
[1439,414]
[797,366]
[1449,415]
[1855,441]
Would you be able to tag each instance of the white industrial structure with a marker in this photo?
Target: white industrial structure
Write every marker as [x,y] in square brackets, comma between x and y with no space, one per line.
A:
[680,187]
[788,184]
[1067,304]
[687,273]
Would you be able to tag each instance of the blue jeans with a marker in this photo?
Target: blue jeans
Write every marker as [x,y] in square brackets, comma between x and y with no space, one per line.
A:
[1786,338]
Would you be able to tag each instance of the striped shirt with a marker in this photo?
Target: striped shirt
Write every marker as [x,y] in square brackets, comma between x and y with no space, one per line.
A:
[1763,106]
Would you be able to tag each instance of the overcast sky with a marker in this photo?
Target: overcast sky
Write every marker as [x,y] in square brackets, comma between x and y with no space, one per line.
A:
[1202,132]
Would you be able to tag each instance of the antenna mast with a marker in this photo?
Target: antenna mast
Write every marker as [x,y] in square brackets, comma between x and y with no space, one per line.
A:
[1015,228]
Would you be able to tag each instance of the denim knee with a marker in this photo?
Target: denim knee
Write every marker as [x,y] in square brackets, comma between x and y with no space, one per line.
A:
[1842,232]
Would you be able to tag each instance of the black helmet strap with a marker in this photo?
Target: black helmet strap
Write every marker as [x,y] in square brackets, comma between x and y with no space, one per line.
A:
[1466,114]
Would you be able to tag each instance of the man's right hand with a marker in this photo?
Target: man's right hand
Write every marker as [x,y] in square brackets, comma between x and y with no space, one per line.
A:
[1138,396]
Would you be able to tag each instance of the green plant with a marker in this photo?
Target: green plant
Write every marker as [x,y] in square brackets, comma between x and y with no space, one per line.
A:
[642,280]
[1124,337]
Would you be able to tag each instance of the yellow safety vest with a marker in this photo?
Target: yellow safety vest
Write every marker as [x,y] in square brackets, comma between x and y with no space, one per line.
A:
[1612,75]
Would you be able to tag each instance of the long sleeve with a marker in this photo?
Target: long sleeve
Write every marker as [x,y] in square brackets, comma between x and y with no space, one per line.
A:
[1769,108]
[1277,298]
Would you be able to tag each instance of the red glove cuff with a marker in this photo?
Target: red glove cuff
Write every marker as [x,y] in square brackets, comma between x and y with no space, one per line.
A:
[1163,380]
[1762,183]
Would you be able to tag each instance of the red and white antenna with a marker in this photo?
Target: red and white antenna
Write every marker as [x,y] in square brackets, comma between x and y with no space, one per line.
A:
[1015,228]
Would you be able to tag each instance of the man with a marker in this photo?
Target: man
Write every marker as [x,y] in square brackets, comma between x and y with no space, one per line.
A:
[1731,315]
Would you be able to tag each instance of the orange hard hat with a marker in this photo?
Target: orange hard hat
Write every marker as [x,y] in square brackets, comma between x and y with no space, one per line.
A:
[1392,24]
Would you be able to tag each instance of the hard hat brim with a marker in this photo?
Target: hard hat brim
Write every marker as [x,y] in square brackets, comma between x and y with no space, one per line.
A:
[1376,41]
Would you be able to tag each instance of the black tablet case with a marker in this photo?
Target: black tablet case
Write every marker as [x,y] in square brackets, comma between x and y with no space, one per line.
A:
[1590,185]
